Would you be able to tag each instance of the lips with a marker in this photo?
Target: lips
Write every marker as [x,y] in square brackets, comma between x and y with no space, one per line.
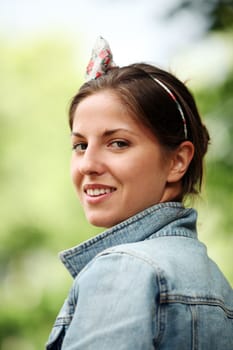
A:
[96,190]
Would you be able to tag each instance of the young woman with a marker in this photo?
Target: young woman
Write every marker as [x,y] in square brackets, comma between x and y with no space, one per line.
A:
[146,282]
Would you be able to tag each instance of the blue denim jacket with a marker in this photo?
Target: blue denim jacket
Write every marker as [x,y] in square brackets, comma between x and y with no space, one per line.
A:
[146,283]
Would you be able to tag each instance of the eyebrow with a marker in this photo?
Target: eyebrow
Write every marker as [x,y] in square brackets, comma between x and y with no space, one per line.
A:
[105,133]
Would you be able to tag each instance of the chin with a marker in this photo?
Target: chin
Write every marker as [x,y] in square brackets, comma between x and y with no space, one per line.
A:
[100,222]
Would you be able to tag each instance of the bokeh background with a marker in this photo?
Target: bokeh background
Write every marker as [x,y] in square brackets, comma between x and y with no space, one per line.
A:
[44,48]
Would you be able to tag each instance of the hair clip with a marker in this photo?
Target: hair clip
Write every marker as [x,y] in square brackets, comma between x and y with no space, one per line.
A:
[101,60]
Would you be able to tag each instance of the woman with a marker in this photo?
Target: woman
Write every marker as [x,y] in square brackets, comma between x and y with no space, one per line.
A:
[146,282]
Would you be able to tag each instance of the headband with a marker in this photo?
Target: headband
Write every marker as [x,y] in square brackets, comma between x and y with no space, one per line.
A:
[177,104]
[102,61]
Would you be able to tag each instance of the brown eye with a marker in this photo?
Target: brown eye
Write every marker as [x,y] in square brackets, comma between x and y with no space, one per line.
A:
[80,147]
[119,144]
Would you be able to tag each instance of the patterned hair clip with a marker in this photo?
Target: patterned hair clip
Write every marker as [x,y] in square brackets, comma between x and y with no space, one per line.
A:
[101,60]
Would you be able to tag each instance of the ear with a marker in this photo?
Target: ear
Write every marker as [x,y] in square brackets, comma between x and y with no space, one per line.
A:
[180,161]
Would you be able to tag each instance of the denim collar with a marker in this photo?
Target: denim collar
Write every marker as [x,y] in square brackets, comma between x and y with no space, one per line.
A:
[164,219]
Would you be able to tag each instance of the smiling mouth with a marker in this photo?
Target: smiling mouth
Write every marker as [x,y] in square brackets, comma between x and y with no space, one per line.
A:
[95,192]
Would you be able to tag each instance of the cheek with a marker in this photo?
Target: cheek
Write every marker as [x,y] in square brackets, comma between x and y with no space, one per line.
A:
[74,172]
[145,165]
[72,168]
[150,171]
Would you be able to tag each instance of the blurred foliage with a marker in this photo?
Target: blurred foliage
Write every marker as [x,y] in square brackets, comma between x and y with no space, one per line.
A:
[40,214]
[39,211]
[216,105]
[218,13]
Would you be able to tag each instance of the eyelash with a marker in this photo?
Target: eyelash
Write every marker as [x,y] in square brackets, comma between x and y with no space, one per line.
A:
[76,146]
[119,144]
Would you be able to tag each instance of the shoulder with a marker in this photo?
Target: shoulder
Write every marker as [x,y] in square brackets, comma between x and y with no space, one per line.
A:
[157,253]
[171,261]
[120,260]
[121,272]
[127,271]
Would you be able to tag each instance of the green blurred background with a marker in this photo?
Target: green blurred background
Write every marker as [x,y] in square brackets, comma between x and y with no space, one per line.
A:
[40,72]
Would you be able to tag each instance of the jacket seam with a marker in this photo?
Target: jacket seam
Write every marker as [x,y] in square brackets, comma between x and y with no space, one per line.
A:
[182,299]
[194,327]
[162,289]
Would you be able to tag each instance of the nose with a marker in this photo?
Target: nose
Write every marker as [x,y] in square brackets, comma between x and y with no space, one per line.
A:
[91,162]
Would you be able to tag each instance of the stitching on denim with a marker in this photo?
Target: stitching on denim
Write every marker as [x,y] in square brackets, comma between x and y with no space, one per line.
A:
[161,325]
[62,321]
[194,327]
[161,279]
[138,255]
[179,232]
[137,218]
[182,299]
[162,287]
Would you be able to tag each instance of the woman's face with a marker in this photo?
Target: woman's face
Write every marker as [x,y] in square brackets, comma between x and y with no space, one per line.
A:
[118,167]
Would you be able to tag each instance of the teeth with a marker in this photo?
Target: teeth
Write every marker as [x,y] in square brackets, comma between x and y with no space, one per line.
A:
[98,191]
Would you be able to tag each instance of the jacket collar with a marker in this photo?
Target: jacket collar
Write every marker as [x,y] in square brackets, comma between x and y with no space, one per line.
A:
[162,219]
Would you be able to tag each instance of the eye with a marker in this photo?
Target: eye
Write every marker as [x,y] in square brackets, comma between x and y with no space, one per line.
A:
[79,147]
[119,144]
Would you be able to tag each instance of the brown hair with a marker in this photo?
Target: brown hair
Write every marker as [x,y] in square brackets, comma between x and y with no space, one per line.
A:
[153,106]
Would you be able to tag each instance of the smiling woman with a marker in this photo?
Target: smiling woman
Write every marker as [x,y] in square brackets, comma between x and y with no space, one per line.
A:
[146,282]
[112,163]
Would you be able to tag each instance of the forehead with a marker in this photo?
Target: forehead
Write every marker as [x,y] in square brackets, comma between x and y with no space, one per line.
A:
[104,111]
[102,106]
[103,98]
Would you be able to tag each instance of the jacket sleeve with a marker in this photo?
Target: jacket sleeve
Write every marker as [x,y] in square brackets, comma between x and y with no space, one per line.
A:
[116,305]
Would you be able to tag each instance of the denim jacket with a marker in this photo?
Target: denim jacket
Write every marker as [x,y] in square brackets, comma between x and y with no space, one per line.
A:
[146,283]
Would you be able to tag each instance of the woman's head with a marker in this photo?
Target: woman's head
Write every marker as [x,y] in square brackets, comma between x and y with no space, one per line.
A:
[148,102]
[118,166]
